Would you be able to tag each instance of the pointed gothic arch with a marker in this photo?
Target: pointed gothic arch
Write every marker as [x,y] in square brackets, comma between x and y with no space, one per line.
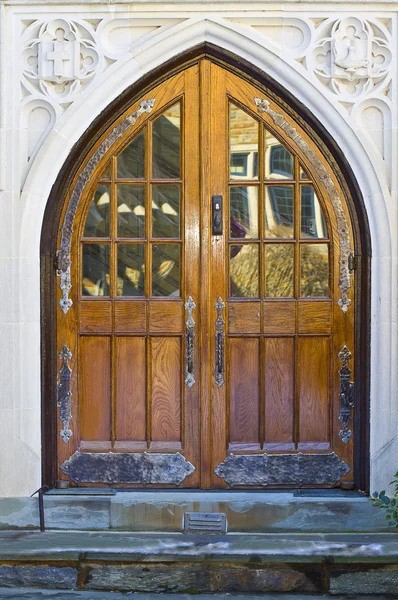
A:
[342,171]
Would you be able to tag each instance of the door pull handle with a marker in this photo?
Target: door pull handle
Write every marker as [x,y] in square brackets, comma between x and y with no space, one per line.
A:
[220,345]
[189,343]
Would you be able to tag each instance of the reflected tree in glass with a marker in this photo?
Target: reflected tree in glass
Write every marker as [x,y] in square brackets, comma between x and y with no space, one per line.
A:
[314,280]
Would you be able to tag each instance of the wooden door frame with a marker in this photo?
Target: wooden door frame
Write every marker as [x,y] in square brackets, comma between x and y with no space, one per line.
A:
[344,174]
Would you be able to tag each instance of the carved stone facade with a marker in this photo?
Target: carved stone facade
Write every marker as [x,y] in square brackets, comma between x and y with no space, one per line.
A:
[62,63]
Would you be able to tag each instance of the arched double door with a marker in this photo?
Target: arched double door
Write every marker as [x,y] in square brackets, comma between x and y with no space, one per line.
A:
[205,314]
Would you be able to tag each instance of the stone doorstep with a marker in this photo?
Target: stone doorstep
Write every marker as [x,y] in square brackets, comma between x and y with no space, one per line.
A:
[34,594]
[163,511]
[337,564]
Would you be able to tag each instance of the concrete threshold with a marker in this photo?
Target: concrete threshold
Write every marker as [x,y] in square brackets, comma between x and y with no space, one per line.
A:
[163,511]
[32,594]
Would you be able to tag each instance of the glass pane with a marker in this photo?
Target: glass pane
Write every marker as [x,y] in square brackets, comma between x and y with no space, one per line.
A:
[97,222]
[243,269]
[130,162]
[95,270]
[166,270]
[278,160]
[130,270]
[244,144]
[131,211]
[166,144]
[279,270]
[314,270]
[244,212]
[279,211]
[312,221]
[166,211]
[303,174]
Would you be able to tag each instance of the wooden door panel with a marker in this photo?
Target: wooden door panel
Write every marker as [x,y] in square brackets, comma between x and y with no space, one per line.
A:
[96,316]
[130,317]
[244,393]
[279,393]
[314,381]
[165,355]
[95,388]
[131,387]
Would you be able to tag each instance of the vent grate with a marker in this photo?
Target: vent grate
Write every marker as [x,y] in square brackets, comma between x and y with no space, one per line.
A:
[201,522]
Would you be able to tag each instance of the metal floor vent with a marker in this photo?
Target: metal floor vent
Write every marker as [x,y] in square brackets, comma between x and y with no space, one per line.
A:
[201,522]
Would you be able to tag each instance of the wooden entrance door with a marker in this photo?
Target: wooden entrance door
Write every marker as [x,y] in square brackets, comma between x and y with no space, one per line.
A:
[205,315]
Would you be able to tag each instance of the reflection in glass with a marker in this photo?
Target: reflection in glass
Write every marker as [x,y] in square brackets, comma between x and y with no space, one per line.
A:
[312,221]
[97,222]
[244,144]
[303,174]
[279,270]
[95,270]
[131,210]
[243,268]
[106,175]
[130,162]
[166,211]
[166,144]
[130,270]
[243,212]
[166,270]
[314,270]
[278,160]
[279,211]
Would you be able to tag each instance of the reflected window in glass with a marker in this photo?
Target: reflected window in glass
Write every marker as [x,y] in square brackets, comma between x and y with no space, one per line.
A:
[243,144]
[97,221]
[312,221]
[95,270]
[166,144]
[279,270]
[279,162]
[314,277]
[243,212]
[130,270]
[243,270]
[130,162]
[166,270]
[279,211]
[131,211]
[166,211]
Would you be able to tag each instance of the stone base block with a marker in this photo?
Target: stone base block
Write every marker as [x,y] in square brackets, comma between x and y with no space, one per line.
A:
[201,578]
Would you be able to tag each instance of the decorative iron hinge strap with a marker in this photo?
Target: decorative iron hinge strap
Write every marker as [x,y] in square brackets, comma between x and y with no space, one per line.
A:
[346,395]
[189,344]
[65,393]
[220,335]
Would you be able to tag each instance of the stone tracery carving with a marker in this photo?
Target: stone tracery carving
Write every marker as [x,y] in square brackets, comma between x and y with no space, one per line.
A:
[60,58]
[352,56]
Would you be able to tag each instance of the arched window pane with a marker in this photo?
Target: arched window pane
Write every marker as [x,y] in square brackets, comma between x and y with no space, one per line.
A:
[130,162]
[278,160]
[312,221]
[97,221]
[166,144]
[314,270]
[243,144]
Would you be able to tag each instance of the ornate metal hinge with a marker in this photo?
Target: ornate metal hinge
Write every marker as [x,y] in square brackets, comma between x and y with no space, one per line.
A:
[346,395]
[65,393]
[219,306]
[189,344]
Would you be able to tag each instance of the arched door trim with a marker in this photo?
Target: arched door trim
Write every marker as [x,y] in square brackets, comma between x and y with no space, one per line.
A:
[343,173]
